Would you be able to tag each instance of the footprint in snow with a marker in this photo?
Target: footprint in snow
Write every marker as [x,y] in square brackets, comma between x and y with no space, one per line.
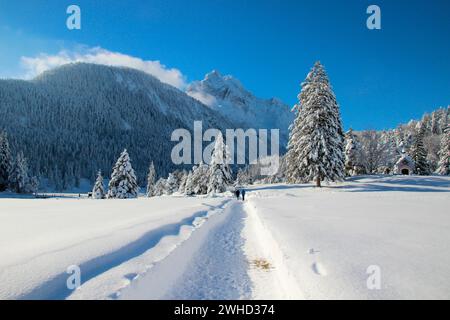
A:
[114,295]
[319,269]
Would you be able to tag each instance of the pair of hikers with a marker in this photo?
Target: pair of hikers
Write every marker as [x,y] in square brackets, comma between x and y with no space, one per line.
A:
[239,193]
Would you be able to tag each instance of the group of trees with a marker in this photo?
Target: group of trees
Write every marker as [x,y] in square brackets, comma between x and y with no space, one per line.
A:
[123,183]
[202,179]
[318,150]
[14,172]
[425,141]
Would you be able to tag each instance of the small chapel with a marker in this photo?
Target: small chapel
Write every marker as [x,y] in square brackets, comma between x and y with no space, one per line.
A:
[405,165]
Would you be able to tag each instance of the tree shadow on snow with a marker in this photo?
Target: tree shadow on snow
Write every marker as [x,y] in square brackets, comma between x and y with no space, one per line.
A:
[279,187]
[397,183]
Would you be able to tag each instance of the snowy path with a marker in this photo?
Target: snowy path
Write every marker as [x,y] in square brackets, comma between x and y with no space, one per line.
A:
[233,256]
[219,270]
[229,254]
[210,265]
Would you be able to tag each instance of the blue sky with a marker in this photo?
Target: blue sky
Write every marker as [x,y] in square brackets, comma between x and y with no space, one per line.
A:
[380,77]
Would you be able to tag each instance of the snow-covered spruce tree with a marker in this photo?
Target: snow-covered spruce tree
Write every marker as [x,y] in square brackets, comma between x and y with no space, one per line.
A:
[19,178]
[220,175]
[183,180]
[419,153]
[98,192]
[392,152]
[200,179]
[444,154]
[426,122]
[316,140]
[151,179]
[5,161]
[179,176]
[435,123]
[353,164]
[34,182]
[123,183]
[189,187]
[172,184]
[444,118]
[160,187]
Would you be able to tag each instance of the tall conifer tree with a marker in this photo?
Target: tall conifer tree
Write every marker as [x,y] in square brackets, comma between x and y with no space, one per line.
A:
[316,142]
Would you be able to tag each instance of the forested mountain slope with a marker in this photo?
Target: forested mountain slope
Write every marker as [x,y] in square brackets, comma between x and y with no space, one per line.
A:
[74,120]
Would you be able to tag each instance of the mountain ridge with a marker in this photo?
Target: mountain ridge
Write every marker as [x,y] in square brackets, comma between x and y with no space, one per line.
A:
[227,95]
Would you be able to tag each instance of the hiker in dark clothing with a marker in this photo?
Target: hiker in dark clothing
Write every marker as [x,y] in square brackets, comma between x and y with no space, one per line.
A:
[237,193]
[243,194]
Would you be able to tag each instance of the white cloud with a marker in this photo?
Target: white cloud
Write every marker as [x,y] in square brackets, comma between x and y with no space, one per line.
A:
[36,65]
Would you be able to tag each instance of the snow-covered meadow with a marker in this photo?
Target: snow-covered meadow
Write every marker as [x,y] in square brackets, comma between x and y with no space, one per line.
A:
[41,238]
[283,242]
[331,238]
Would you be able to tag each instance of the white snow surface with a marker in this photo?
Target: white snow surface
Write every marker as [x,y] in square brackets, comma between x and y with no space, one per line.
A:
[40,238]
[330,237]
[283,242]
